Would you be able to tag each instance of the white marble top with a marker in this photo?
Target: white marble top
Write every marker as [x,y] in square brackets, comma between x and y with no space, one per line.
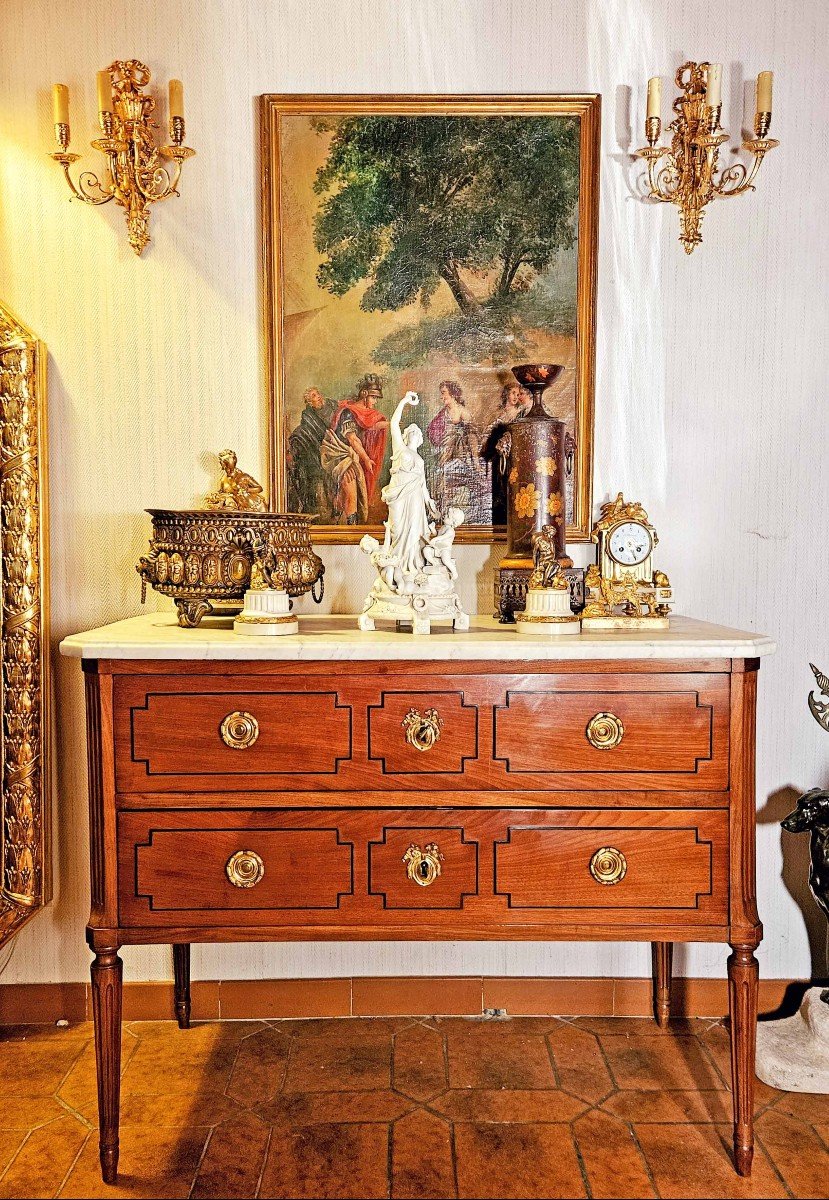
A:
[158,636]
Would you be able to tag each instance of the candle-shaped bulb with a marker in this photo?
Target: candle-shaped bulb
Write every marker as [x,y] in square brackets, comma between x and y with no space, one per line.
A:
[60,104]
[104,81]
[655,96]
[713,89]
[764,81]
[176,99]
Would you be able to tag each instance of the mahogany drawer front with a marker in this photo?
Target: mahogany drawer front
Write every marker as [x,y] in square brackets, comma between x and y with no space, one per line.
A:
[396,751]
[505,732]
[625,732]
[168,869]
[614,866]
[215,738]
[458,861]
[500,870]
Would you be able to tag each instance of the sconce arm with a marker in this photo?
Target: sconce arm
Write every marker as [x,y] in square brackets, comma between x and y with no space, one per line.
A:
[659,181]
[737,178]
[88,183]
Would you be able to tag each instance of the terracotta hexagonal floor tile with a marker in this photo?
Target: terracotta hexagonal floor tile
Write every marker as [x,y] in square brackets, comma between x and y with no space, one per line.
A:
[660,1063]
[233,1160]
[419,1065]
[580,1064]
[421,1157]
[798,1153]
[342,1063]
[614,1164]
[513,1060]
[42,1162]
[695,1161]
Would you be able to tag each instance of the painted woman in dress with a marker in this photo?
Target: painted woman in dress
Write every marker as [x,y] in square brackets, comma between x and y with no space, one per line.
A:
[463,477]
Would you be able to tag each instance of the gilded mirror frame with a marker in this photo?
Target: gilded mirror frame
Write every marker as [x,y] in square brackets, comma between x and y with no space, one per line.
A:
[586,108]
[25,868]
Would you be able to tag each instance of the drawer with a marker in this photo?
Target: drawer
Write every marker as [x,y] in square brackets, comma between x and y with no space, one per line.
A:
[407,732]
[625,732]
[206,736]
[441,867]
[465,873]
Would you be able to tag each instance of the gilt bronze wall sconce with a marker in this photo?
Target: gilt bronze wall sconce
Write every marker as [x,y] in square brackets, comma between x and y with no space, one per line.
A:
[134,175]
[690,175]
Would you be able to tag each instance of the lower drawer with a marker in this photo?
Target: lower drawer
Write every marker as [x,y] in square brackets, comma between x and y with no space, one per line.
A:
[471,872]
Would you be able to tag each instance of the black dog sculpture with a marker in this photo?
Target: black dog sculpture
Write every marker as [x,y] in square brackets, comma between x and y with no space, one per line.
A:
[812,814]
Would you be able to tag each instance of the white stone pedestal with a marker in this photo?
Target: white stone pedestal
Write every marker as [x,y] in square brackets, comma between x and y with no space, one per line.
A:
[266,611]
[793,1054]
[548,612]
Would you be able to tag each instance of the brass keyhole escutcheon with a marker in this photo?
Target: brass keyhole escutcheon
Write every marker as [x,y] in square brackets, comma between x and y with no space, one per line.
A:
[422,729]
[245,869]
[608,865]
[423,866]
[604,731]
[239,730]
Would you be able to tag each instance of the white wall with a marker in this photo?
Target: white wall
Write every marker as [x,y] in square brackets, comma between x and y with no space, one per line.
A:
[711,396]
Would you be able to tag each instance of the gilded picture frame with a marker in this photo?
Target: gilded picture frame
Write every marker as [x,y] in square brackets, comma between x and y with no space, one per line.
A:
[338,278]
[25,856]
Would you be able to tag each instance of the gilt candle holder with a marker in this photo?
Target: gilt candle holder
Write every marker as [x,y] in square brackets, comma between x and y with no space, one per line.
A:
[134,175]
[690,176]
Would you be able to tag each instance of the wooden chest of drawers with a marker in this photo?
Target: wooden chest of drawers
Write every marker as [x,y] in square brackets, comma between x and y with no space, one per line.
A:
[448,795]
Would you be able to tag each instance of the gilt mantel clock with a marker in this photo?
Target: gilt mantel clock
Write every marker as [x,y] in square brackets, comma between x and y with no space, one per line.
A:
[622,588]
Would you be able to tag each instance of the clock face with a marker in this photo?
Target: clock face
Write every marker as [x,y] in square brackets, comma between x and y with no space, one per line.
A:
[630,544]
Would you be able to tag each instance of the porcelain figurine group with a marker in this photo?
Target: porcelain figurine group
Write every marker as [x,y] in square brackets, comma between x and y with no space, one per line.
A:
[416,572]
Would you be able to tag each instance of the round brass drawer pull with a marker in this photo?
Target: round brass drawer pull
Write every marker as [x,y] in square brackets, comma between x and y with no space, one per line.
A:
[239,730]
[245,869]
[422,730]
[604,731]
[608,865]
[423,866]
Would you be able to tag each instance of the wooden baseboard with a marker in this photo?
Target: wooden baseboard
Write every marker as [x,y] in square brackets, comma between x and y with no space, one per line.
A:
[372,996]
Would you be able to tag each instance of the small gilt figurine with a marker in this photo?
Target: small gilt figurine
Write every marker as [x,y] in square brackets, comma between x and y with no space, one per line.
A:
[546,571]
[548,609]
[416,573]
[236,489]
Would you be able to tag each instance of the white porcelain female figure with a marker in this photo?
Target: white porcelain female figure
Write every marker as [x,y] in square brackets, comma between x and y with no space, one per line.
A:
[407,496]
[416,574]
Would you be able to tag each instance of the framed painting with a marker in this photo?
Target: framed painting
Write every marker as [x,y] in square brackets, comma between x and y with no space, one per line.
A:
[428,244]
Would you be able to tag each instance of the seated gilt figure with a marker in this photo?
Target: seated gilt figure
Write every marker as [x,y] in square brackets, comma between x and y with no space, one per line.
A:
[236,489]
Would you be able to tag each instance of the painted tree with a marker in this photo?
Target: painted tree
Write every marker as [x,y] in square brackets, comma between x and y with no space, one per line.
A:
[409,203]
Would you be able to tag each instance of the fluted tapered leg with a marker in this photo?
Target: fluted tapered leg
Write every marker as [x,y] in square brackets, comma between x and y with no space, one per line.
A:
[181,970]
[106,1014]
[742,1004]
[663,955]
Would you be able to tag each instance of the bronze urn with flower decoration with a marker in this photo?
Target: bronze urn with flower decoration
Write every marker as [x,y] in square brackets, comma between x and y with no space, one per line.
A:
[532,456]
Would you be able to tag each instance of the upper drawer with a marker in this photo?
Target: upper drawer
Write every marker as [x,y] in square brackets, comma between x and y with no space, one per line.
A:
[616,731]
[407,733]
[211,737]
